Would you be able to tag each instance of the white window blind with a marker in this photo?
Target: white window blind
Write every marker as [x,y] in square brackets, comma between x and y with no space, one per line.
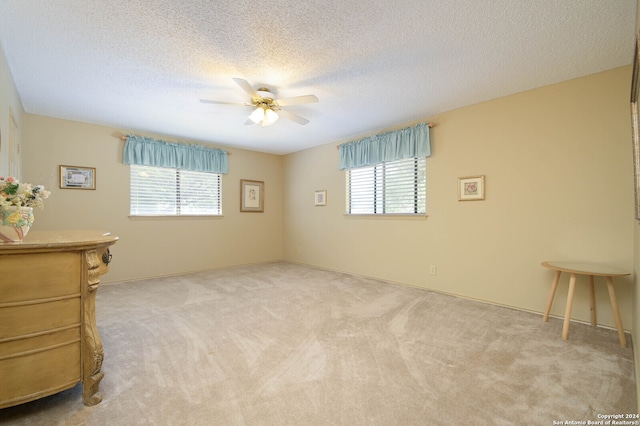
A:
[160,191]
[395,187]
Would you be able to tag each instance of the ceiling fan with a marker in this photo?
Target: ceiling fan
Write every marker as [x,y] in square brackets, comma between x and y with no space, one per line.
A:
[267,108]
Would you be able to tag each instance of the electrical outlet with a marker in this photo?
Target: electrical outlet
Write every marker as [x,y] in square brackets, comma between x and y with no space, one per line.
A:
[298,250]
[432,269]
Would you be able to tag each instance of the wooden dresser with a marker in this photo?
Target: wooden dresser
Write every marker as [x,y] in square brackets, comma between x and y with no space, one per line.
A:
[48,335]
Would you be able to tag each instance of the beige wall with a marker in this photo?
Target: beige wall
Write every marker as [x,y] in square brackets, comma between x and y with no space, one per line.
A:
[9,105]
[150,247]
[558,172]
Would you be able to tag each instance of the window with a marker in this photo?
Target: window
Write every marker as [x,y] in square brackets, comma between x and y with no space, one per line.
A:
[394,187]
[160,191]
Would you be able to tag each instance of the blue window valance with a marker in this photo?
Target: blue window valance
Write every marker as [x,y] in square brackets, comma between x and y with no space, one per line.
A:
[410,142]
[158,153]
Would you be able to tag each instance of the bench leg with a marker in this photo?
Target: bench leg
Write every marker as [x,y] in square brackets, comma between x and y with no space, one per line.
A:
[616,312]
[554,287]
[567,312]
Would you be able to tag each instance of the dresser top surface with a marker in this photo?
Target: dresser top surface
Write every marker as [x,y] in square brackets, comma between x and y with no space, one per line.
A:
[61,239]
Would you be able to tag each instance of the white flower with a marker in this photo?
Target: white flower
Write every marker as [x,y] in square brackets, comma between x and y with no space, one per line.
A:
[16,194]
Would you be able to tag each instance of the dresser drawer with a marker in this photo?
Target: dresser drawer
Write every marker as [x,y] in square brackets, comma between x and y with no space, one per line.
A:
[13,347]
[33,318]
[39,374]
[39,275]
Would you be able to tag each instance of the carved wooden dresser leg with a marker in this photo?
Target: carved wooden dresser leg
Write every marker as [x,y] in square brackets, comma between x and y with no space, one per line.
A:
[92,352]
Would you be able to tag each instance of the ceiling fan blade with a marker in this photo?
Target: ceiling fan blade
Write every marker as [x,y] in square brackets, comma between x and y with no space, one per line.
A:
[297,100]
[208,101]
[244,84]
[293,117]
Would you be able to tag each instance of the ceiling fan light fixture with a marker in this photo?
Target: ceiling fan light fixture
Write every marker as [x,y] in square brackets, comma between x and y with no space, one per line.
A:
[264,115]
[257,115]
[270,117]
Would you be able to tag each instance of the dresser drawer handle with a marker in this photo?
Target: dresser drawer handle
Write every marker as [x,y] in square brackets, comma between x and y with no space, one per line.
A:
[106,257]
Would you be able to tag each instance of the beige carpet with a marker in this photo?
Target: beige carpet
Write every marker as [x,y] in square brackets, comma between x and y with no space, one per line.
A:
[282,344]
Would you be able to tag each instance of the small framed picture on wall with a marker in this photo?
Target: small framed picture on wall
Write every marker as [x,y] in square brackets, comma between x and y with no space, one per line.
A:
[320,197]
[251,196]
[72,177]
[471,188]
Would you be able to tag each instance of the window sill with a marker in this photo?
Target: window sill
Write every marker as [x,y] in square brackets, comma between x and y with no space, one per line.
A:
[387,216]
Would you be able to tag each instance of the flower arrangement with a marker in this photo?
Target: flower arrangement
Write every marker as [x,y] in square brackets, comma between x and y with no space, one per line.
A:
[16,194]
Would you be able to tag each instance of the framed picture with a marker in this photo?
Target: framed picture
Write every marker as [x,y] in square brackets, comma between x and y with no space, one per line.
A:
[635,123]
[471,188]
[321,197]
[72,177]
[251,196]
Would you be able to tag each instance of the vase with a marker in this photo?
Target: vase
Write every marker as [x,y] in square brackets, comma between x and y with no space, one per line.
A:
[15,222]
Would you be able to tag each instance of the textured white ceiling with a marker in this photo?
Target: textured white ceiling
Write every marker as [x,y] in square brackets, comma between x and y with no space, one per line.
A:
[143,65]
